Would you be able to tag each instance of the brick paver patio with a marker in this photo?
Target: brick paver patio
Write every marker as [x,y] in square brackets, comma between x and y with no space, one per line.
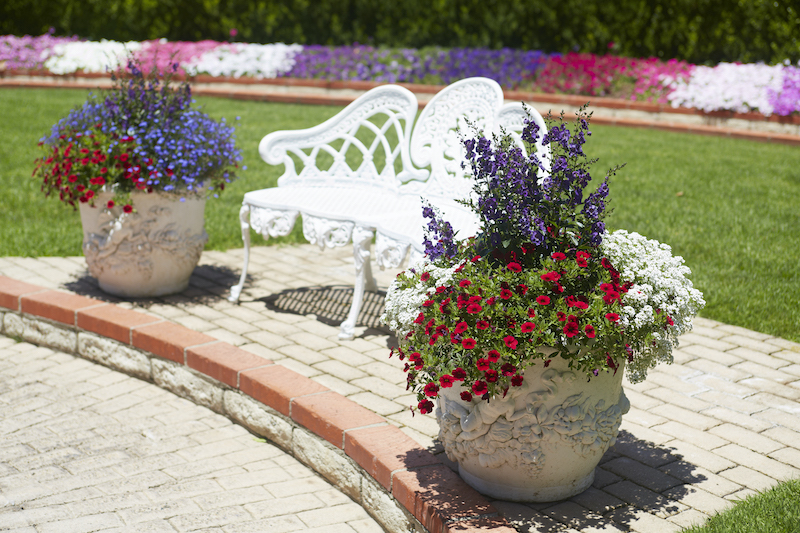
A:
[716,426]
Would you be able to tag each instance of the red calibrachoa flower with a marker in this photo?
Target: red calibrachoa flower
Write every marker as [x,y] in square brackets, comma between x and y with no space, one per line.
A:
[581,258]
[431,390]
[516,381]
[425,406]
[425,276]
[480,388]
[482,324]
[571,329]
[474,309]
[460,328]
[527,327]
[543,300]
[508,369]
[510,342]
[464,283]
[551,276]
[466,396]
[468,344]
[505,294]
[459,374]
[491,376]
[558,256]
[482,364]
[589,330]
[493,356]
[446,381]
[514,267]
[612,317]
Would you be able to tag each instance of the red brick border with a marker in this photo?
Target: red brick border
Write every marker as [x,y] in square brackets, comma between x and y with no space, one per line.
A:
[429,490]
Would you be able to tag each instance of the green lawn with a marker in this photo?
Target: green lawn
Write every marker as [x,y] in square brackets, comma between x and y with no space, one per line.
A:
[773,511]
[730,207]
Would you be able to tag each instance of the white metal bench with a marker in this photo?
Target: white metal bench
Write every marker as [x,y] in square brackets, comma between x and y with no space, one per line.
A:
[363,173]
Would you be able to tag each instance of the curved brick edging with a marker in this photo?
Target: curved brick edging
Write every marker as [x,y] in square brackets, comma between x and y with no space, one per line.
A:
[402,485]
[16,78]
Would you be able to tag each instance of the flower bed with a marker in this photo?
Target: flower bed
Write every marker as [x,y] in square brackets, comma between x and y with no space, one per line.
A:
[732,87]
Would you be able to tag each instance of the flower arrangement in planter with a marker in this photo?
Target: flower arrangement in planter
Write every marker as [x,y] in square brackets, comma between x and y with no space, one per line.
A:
[139,161]
[494,327]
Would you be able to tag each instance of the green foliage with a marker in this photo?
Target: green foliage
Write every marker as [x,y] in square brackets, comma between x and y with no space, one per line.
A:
[774,511]
[700,31]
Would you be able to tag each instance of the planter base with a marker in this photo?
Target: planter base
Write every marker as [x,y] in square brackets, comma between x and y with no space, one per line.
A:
[502,491]
[150,252]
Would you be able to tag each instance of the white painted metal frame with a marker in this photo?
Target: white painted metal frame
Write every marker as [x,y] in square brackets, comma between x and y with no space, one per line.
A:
[340,204]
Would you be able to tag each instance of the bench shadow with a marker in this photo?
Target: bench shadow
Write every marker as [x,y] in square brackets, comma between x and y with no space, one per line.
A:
[331,305]
[208,284]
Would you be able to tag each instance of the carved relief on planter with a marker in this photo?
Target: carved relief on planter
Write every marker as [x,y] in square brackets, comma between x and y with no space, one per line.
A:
[149,252]
[542,441]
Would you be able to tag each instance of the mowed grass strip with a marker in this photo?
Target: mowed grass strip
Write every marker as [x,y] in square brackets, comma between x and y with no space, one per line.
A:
[730,207]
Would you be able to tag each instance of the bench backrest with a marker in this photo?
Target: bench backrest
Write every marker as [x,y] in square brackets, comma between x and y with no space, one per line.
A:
[376,142]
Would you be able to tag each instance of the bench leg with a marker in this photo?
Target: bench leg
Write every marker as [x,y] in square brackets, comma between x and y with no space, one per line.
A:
[362,239]
[244,220]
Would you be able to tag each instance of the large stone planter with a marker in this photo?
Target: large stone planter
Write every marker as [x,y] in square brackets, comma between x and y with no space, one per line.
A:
[542,441]
[150,252]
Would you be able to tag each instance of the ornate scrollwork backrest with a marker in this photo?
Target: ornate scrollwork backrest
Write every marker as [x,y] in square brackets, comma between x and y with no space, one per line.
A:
[435,142]
[384,114]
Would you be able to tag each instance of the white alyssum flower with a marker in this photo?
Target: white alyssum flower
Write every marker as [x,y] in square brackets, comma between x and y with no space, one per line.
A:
[660,284]
[89,56]
[237,60]
[402,305]
[729,86]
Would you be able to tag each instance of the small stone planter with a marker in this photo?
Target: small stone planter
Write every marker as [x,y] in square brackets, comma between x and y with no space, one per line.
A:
[149,252]
[539,443]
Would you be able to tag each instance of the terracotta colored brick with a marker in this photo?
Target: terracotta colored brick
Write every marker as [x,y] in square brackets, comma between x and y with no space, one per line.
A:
[223,361]
[330,414]
[167,340]
[11,290]
[495,524]
[276,385]
[384,450]
[113,322]
[59,306]
[436,495]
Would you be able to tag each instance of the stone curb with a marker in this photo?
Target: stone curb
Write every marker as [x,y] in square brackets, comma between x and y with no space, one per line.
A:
[342,93]
[399,483]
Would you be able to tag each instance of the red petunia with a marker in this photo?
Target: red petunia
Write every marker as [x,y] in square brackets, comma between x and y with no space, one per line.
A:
[516,381]
[459,374]
[558,256]
[425,276]
[571,329]
[531,313]
[612,317]
[610,297]
[420,317]
[581,258]
[482,364]
[505,294]
[446,381]
[482,324]
[606,263]
[474,309]
[493,355]
[522,289]
[551,276]
[589,330]
[527,327]
[425,406]
[464,283]
[508,369]
[561,316]
[514,267]
[479,388]
[461,327]
[466,396]
[433,339]
[110,204]
[543,300]
[491,376]
[431,389]
[510,341]
[427,303]
[468,344]
[491,301]
[440,289]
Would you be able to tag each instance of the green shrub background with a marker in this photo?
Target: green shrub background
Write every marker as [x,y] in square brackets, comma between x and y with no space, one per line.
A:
[700,31]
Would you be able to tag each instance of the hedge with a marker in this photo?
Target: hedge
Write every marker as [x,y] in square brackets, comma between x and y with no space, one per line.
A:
[699,31]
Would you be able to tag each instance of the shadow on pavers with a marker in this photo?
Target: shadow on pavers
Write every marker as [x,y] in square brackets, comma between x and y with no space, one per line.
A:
[208,284]
[633,476]
[331,305]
